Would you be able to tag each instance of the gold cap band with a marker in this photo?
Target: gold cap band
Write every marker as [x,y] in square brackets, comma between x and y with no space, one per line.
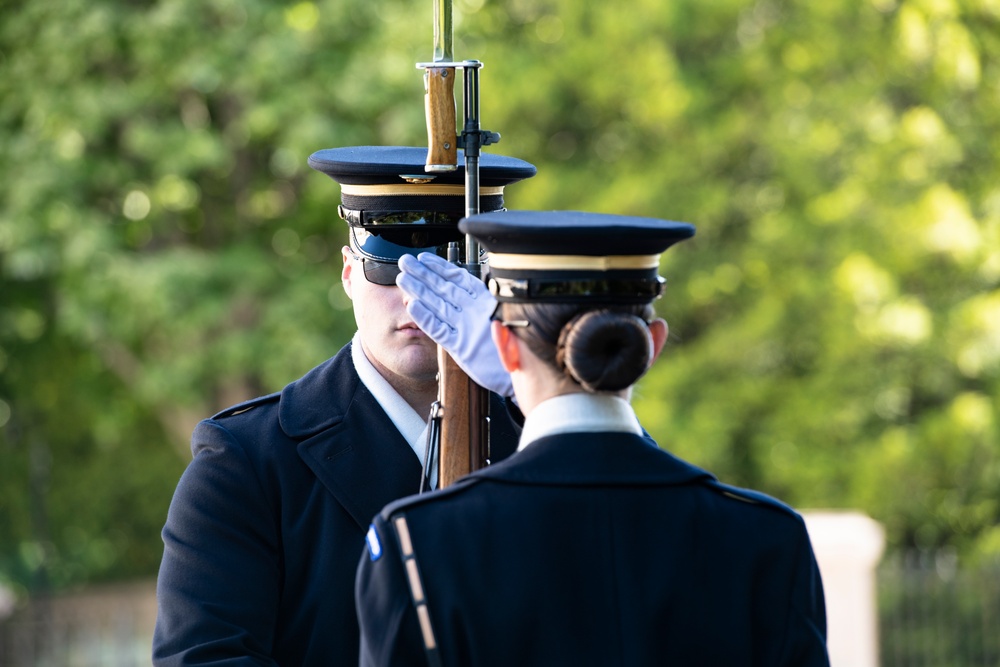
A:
[396,189]
[573,262]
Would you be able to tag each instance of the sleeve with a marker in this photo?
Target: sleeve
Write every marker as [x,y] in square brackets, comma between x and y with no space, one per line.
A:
[218,585]
[805,641]
[390,631]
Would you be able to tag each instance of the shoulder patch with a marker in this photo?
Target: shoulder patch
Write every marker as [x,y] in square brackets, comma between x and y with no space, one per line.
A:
[374,544]
[246,406]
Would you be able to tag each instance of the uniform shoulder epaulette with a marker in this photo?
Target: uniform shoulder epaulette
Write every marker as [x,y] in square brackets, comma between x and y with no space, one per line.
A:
[750,496]
[246,406]
[407,502]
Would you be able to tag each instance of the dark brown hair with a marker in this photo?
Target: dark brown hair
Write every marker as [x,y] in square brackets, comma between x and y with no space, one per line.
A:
[603,348]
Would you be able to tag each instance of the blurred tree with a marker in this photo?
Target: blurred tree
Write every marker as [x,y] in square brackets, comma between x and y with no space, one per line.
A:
[836,322]
[165,251]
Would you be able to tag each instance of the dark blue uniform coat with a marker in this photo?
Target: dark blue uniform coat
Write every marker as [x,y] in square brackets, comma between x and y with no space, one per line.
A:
[265,527]
[595,549]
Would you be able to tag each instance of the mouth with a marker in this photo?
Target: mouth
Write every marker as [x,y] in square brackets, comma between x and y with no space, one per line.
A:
[411,329]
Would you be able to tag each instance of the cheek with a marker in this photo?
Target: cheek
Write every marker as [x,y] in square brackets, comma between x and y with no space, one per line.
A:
[359,298]
[376,304]
[358,305]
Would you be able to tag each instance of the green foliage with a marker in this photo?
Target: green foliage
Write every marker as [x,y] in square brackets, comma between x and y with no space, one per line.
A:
[159,228]
[165,251]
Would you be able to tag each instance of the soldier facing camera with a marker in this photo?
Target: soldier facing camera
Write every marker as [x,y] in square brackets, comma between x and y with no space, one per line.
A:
[263,534]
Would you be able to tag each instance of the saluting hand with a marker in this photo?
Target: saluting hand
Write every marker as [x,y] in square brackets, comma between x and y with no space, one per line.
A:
[453,308]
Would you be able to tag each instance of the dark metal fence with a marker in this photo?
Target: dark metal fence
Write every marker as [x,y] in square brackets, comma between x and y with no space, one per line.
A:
[933,613]
[107,627]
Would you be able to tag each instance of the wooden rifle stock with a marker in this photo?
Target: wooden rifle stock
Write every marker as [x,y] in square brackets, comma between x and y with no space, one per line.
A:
[464,432]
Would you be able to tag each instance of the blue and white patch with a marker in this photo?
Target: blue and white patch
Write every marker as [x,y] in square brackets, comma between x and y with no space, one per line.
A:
[374,546]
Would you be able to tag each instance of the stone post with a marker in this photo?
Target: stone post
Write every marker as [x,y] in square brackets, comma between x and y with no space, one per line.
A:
[848,547]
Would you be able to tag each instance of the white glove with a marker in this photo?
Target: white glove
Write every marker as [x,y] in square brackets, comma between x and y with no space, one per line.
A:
[453,308]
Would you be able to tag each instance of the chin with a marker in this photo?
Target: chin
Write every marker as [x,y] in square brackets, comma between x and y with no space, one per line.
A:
[421,362]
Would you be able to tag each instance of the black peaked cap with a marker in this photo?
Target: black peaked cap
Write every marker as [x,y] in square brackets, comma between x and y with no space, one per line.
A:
[394,208]
[373,165]
[572,256]
[573,233]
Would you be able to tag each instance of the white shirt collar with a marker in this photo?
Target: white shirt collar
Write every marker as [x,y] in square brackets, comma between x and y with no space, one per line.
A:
[579,413]
[411,425]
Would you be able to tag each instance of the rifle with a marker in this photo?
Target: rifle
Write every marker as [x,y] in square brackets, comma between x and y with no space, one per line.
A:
[459,420]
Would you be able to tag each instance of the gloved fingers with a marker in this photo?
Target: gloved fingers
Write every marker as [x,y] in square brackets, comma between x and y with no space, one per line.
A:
[447,271]
[430,283]
[437,329]
[420,283]
[433,270]
[429,298]
[463,289]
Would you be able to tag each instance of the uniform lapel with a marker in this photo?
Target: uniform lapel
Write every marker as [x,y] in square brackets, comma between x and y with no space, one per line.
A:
[347,440]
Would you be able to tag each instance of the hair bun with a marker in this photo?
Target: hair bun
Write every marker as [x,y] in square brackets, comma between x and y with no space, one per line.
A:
[605,351]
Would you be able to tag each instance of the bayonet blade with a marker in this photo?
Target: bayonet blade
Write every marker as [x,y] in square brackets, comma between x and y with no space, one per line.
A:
[443,48]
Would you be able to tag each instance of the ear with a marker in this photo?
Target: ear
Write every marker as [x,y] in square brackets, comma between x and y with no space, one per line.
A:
[659,331]
[345,274]
[507,346]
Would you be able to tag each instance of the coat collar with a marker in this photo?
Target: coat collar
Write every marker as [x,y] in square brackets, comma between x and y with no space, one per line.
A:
[320,398]
[577,459]
[347,440]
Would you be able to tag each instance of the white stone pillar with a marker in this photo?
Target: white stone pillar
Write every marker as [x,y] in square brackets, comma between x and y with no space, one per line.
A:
[7,602]
[848,547]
